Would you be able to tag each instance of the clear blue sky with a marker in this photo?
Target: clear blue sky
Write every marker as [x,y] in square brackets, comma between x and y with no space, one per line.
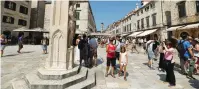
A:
[111,11]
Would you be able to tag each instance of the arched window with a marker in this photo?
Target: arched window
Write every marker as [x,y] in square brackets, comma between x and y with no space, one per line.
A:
[7,34]
[184,33]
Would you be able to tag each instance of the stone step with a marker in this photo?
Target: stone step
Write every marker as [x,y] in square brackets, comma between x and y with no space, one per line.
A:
[56,74]
[35,82]
[86,84]
[20,84]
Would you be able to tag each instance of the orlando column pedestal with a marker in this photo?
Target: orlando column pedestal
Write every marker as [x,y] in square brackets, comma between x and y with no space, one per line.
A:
[59,71]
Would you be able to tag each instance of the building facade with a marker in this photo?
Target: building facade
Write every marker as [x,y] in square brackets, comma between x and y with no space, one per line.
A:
[14,14]
[182,17]
[162,19]
[85,22]
[37,14]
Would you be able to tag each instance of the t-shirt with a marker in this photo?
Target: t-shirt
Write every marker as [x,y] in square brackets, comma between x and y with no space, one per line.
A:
[111,48]
[186,45]
[93,43]
[118,45]
[149,45]
[168,55]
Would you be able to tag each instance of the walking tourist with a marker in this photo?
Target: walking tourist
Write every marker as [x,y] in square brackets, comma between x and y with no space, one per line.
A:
[83,46]
[20,43]
[169,66]
[161,59]
[196,55]
[185,53]
[191,60]
[110,49]
[134,46]
[44,43]
[117,45]
[94,45]
[123,61]
[77,51]
[150,52]
[3,43]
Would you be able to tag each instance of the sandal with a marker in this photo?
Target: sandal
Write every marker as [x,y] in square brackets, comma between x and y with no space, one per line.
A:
[113,76]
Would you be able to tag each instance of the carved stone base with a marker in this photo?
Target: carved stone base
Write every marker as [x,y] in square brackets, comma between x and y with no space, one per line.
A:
[69,79]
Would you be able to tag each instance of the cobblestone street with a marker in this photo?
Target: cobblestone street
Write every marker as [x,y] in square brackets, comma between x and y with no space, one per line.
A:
[16,65]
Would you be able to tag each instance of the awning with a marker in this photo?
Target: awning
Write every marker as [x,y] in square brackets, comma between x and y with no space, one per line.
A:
[124,34]
[191,26]
[134,34]
[23,29]
[146,33]
[100,34]
[173,28]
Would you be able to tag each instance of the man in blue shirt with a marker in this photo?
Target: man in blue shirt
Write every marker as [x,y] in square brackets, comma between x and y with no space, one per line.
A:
[188,54]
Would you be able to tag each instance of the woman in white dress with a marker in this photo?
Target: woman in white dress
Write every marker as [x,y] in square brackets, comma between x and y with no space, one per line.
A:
[77,52]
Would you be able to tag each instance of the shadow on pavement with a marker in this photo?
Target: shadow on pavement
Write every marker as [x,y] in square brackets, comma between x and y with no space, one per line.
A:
[17,54]
[194,83]
[162,77]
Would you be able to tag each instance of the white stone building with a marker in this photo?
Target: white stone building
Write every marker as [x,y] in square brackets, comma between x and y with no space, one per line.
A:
[157,17]
[47,17]
[14,14]
[37,14]
[85,22]
[182,16]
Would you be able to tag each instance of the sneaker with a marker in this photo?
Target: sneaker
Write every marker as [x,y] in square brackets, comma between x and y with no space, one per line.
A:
[172,85]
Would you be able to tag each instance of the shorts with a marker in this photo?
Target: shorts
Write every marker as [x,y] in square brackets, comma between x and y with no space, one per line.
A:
[110,61]
[3,47]
[20,46]
[44,47]
[151,55]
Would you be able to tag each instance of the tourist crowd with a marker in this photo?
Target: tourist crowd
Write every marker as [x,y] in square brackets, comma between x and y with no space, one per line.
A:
[116,49]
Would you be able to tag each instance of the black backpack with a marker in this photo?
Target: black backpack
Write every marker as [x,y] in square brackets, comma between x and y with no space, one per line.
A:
[180,48]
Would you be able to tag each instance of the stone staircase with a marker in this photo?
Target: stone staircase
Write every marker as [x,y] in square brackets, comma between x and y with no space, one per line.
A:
[75,78]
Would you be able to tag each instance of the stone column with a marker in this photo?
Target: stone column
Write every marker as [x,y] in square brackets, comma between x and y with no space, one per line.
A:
[60,55]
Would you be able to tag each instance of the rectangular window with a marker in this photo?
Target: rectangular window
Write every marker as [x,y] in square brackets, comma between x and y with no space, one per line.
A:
[147,8]
[77,26]
[147,22]
[77,14]
[10,5]
[137,13]
[22,22]
[23,10]
[152,5]
[142,23]
[8,19]
[138,24]
[181,9]
[197,6]
[141,11]
[77,5]
[129,27]
[154,19]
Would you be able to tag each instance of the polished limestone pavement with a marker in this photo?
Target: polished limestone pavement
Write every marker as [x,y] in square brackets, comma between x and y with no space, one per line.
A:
[14,66]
